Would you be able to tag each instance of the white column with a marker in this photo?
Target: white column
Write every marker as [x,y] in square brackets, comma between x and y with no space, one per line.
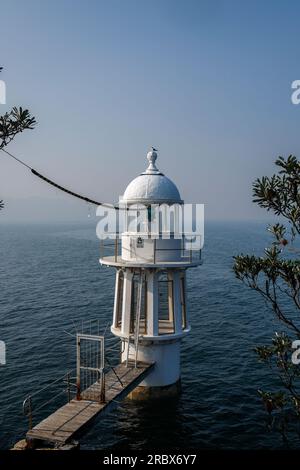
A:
[152,303]
[177,302]
[116,301]
[126,303]
[171,299]
[186,300]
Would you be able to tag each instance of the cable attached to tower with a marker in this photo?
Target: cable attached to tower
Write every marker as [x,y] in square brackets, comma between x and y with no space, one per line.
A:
[58,186]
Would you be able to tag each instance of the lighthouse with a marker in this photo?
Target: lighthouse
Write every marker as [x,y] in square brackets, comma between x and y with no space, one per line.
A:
[152,255]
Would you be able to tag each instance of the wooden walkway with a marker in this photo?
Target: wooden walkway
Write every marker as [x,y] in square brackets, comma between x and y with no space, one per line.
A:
[72,419]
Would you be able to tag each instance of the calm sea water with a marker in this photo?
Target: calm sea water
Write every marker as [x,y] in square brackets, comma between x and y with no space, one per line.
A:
[51,281]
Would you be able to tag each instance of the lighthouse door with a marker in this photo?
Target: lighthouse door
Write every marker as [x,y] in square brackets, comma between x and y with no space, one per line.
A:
[90,368]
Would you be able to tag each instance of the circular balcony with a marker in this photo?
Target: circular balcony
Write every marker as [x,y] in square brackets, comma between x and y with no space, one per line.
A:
[140,250]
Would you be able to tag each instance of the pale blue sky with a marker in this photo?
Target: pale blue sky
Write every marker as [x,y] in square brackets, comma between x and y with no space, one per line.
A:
[206,82]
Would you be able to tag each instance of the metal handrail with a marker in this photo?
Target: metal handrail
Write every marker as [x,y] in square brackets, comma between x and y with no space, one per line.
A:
[29,410]
[188,256]
[71,385]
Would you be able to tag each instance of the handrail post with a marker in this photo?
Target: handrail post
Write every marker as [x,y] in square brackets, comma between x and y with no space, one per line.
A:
[200,251]
[68,387]
[78,393]
[102,377]
[101,248]
[29,412]
[102,387]
[116,248]
[200,248]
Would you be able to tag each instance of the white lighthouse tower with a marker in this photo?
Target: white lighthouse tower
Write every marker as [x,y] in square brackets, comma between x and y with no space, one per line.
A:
[150,307]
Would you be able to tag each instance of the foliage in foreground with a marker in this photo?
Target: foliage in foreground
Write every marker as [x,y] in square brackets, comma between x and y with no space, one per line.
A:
[13,123]
[276,277]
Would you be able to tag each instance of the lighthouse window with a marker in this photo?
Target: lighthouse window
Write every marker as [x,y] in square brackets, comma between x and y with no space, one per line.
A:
[165,305]
[140,242]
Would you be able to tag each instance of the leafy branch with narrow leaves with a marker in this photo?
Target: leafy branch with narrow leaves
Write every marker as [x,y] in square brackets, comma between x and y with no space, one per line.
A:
[280,192]
[276,277]
[13,123]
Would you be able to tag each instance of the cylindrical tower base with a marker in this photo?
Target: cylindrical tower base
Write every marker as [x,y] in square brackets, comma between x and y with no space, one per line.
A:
[148,393]
[165,355]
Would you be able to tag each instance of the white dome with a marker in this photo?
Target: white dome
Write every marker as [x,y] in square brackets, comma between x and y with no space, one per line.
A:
[152,186]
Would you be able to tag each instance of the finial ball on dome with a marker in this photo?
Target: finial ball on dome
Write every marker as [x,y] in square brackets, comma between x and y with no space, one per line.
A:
[152,155]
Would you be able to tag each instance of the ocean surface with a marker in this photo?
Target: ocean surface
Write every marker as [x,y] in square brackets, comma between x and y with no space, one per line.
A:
[51,282]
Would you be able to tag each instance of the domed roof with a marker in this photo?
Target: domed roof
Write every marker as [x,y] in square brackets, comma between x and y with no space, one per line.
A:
[151,186]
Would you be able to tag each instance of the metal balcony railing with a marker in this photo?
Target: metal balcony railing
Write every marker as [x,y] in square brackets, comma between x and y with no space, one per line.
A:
[189,250]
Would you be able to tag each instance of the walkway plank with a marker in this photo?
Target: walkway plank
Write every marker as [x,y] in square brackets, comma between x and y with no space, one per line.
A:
[71,419]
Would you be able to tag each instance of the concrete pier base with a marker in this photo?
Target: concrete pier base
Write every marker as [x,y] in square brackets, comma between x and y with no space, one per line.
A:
[27,445]
[141,393]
